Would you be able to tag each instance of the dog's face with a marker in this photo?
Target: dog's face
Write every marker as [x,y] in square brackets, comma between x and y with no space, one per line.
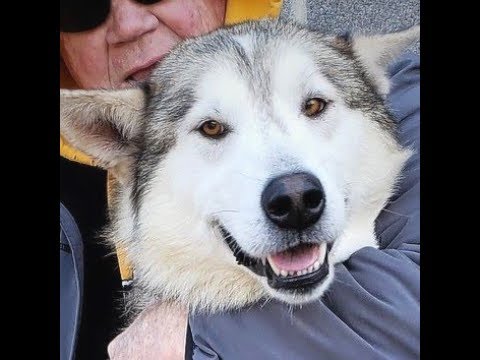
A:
[246,160]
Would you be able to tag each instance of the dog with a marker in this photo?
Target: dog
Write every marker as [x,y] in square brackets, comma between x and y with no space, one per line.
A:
[253,159]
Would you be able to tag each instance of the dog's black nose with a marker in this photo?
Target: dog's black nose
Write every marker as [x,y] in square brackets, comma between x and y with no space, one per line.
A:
[294,201]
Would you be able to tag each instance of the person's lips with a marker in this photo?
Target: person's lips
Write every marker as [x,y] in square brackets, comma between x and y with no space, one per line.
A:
[143,71]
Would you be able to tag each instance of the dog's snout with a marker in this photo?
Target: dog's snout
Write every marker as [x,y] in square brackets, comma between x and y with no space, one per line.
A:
[294,201]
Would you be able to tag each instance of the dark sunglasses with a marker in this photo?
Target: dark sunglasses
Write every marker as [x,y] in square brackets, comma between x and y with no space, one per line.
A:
[83,15]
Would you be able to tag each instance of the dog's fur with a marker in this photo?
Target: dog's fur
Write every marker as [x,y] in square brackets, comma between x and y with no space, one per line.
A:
[176,185]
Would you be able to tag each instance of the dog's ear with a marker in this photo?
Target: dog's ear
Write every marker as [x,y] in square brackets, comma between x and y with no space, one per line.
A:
[102,123]
[294,11]
[378,51]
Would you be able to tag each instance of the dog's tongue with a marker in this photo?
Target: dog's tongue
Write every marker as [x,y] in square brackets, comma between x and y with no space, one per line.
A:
[298,258]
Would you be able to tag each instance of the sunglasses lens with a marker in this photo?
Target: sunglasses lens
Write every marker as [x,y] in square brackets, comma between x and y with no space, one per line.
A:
[82,15]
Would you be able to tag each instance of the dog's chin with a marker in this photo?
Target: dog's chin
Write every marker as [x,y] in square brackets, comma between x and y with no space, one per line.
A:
[301,296]
[296,274]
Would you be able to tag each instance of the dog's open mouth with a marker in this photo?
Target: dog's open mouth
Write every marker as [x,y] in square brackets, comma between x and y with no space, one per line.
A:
[299,268]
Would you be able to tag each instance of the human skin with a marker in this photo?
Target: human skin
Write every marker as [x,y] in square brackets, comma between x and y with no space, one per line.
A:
[122,50]
[159,332]
[120,53]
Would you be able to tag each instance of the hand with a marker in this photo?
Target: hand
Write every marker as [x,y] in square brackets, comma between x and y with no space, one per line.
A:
[157,333]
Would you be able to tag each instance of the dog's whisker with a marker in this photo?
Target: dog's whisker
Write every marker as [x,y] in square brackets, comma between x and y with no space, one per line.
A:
[265,302]
[250,177]
[225,211]
[290,309]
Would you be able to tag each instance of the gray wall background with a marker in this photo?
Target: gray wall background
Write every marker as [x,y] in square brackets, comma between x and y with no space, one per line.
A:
[365,16]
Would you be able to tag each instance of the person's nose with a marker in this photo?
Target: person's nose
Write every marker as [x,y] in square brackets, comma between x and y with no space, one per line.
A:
[129,21]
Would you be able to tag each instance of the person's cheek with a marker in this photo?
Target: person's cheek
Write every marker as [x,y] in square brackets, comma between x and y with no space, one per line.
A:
[86,60]
[94,72]
[191,18]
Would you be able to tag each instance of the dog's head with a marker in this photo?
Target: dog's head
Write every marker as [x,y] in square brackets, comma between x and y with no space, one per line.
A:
[245,158]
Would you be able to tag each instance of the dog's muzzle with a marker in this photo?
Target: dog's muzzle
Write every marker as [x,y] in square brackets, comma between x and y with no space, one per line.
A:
[292,202]
[315,255]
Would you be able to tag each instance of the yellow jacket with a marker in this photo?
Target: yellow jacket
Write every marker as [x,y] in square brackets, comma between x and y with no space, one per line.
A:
[236,11]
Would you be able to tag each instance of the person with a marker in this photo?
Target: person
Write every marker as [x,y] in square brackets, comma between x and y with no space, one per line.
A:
[371,310]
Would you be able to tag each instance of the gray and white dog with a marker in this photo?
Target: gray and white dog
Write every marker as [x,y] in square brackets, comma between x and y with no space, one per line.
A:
[253,159]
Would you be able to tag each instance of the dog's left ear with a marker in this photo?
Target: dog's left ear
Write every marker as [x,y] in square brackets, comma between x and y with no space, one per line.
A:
[378,51]
[103,124]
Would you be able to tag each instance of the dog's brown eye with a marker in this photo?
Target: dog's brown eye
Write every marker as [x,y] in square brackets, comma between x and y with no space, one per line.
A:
[313,107]
[212,129]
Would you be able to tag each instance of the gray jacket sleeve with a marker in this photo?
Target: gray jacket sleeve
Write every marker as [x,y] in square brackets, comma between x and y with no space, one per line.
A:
[372,310]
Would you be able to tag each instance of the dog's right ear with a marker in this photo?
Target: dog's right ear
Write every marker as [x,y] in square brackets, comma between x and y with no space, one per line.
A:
[376,52]
[102,123]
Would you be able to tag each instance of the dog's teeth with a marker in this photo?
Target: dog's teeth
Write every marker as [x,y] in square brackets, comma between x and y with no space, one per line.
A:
[323,252]
[264,261]
[315,266]
[274,268]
